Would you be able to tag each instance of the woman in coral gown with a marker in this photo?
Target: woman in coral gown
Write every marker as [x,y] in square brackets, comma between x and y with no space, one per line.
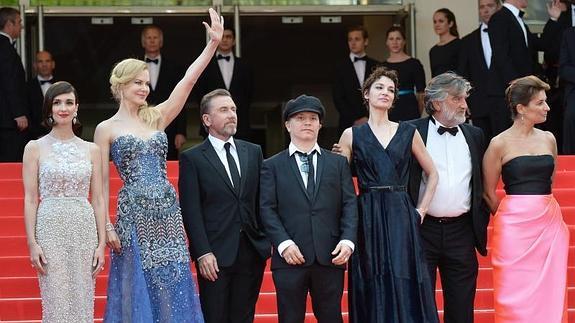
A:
[530,241]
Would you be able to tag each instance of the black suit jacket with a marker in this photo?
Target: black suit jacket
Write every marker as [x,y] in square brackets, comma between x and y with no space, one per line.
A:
[12,86]
[213,212]
[473,67]
[346,92]
[241,89]
[315,223]
[567,67]
[479,211]
[168,77]
[511,57]
[35,101]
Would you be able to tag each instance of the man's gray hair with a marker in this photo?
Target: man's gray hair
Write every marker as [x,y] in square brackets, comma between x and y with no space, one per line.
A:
[442,85]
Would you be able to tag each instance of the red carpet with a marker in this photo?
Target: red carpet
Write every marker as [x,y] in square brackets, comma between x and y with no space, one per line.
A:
[20,297]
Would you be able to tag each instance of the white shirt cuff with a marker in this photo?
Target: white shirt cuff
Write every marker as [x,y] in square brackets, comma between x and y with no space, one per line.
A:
[202,256]
[283,246]
[349,244]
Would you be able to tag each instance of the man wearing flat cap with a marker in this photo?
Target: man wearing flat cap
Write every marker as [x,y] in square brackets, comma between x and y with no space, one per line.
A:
[309,213]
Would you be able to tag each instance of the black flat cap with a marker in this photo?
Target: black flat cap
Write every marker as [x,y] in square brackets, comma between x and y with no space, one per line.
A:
[304,103]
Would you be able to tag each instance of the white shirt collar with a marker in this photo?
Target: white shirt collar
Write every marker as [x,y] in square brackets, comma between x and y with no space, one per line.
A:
[40,78]
[438,124]
[219,144]
[482,26]
[292,149]
[514,10]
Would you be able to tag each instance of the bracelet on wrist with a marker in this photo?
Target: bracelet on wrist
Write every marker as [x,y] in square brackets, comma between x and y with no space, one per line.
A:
[109,227]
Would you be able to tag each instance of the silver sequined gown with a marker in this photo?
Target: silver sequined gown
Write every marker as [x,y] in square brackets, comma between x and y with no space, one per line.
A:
[66,230]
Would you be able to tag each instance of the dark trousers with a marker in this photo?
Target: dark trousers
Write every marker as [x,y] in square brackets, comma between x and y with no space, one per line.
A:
[450,247]
[233,296]
[325,285]
[12,144]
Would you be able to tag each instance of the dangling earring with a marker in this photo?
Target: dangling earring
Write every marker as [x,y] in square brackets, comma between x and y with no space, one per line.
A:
[50,121]
[75,119]
[522,119]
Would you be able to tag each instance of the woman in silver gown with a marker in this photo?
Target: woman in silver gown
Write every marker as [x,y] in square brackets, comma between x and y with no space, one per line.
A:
[65,232]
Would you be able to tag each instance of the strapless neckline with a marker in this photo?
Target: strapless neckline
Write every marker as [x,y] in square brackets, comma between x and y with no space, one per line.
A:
[526,156]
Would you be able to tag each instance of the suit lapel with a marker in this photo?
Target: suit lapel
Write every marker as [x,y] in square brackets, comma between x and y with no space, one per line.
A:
[212,157]
[472,145]
[243,156]
[234,73]
[319,171]
[219,73]
[423,129]
[479,43]
[290,160]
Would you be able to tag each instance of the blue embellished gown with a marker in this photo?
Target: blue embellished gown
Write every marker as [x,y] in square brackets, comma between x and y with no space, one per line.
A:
[388,276]
[150,279]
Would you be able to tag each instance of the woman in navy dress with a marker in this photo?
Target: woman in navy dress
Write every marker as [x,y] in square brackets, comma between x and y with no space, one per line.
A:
[388,277]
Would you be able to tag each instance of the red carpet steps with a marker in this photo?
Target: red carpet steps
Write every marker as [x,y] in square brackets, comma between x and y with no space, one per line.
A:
[19,294]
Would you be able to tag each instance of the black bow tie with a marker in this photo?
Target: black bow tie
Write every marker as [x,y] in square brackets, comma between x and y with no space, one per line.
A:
[42,82]
[485,30]
[227,58]
[150,60]
[521,13]
[453,131]
[363,58]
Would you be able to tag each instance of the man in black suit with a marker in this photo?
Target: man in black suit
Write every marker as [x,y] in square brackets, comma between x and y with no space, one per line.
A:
[36,88]
[219,186]
[227,71]
[514,52]
[164,75]
[474,64]
[13,108]
[457,218]
[567,75]
[309,212]
[349,77]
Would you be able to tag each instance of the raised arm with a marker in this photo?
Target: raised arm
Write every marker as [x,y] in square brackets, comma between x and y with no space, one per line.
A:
[30,179]
[420,153]
[491,172]
[174,104]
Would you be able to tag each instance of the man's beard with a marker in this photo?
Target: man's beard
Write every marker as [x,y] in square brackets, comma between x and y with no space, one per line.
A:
[452,116]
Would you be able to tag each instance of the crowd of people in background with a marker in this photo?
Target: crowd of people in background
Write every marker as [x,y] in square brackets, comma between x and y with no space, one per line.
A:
[427,157]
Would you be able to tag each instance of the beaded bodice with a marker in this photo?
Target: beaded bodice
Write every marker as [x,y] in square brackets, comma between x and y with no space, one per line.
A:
[65,167]
[140,160]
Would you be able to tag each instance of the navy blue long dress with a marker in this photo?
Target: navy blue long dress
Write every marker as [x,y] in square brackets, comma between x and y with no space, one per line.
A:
[388,277]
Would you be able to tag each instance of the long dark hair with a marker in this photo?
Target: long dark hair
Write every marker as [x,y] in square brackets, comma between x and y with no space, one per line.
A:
[53,91]
[450,18]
